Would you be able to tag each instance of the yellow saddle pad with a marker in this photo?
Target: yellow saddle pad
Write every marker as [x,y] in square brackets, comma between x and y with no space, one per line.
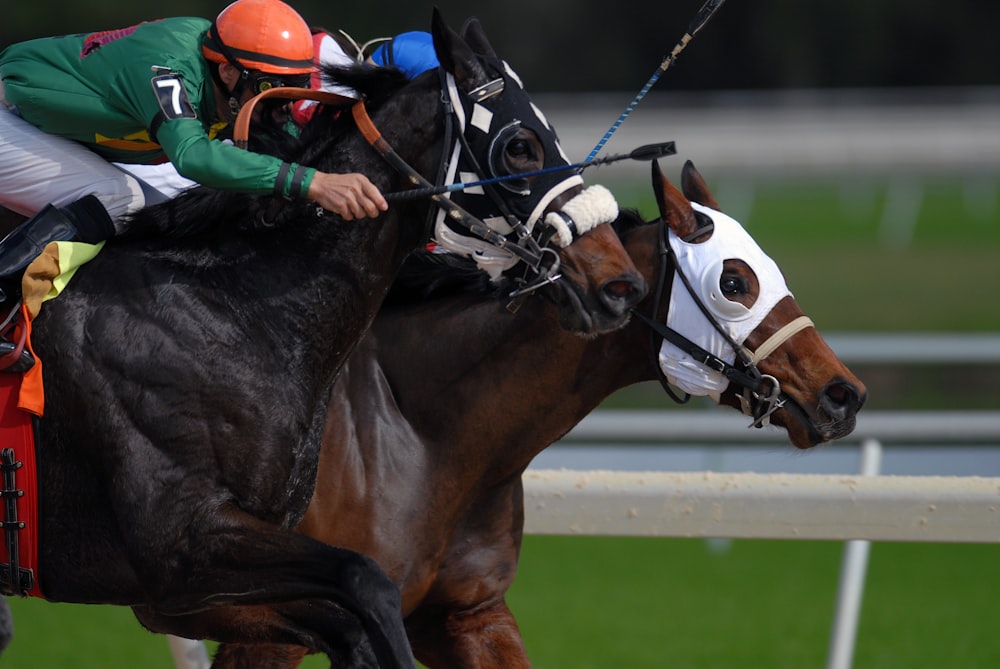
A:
[46,277]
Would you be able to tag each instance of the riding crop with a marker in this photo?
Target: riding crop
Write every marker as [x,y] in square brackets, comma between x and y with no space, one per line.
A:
[704,14]
[646,152]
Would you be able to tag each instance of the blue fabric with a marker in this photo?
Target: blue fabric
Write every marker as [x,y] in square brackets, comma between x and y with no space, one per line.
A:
[412,52]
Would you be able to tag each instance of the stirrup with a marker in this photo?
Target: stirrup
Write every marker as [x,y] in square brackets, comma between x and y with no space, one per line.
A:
[15,358]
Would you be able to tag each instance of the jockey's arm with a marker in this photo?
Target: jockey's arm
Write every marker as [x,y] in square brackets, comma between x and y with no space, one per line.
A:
[220,165]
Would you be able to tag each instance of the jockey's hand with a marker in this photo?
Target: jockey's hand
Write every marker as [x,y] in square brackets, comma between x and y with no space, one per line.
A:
[350,196]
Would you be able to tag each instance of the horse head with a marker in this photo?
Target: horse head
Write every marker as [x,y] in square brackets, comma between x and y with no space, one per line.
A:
[544,228]
[729,328]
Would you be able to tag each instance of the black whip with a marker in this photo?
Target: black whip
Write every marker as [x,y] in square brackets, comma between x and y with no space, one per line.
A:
[645,152]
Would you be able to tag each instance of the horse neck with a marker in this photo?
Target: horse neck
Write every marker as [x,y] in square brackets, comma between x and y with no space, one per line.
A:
[377,249]
[486,387]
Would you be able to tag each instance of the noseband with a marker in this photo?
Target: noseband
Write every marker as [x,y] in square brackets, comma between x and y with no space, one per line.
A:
[761,394]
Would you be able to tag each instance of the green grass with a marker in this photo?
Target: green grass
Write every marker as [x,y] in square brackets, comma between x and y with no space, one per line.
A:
[67,636]
[590,602]
[849,272]
[635,603]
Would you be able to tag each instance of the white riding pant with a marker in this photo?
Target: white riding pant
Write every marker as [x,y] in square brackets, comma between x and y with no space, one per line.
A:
[37,169]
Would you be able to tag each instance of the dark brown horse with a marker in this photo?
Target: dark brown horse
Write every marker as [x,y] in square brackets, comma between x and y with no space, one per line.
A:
[189,375]
[446,401]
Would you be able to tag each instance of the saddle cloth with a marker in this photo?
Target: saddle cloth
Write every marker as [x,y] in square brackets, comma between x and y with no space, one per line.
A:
[22,401]
[17,434]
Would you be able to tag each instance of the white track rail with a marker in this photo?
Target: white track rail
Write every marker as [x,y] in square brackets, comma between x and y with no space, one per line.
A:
[839,507]
[763,506]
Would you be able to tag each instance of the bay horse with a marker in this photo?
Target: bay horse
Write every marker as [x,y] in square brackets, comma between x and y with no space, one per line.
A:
[189,373]
[447,400]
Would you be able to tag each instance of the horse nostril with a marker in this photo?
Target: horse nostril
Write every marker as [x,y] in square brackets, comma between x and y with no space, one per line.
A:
[623,292]
[841,400]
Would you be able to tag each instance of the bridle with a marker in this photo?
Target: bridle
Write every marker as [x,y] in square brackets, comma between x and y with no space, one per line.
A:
[761,393]
[542,261]
[531,254]
[478,125]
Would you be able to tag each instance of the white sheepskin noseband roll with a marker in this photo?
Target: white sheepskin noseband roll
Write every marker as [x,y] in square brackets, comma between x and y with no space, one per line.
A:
[587,210]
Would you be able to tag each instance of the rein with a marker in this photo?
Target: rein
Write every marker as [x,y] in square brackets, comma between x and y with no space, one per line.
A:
[533,257]
[454,211]
[762,394]
[241,129]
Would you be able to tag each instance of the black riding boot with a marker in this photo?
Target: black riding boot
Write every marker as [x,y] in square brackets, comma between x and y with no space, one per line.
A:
[85,220]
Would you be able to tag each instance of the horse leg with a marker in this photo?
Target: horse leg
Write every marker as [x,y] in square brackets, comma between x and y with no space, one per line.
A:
[308,585]
[350,651]
[485,638]
[464,621]
[270,656]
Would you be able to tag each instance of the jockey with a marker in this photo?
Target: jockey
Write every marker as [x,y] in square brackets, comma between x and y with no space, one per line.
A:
[411,52]
[155,92]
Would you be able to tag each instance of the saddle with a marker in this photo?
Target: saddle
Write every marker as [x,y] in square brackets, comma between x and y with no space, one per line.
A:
[21,405]
[18,493]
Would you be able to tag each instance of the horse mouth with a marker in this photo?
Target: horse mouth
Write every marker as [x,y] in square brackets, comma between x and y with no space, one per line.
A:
[804,431]
[585,315]
[573,316]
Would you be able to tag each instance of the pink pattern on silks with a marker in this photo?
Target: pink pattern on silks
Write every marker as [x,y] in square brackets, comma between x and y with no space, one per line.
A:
[95,41]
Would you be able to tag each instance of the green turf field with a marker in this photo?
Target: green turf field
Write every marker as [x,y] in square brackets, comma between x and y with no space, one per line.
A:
[860,257]
[596,603]
[859,260]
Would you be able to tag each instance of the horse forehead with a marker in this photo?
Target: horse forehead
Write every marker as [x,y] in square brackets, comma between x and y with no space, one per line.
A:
[538,113]
[513,102]
[512,74]
[728,241]
[703,263]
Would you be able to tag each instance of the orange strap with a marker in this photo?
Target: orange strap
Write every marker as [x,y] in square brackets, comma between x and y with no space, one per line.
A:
[364,123]
[32,395]
[241,130]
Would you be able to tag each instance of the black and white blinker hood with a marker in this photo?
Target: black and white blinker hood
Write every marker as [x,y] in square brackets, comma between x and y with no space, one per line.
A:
[487,118]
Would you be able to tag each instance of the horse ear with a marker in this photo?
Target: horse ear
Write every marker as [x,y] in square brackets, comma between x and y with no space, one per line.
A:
[475,36]
[675,209]
[695,188]
[454,54]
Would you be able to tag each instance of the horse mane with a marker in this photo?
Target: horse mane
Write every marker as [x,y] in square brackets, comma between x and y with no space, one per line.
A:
[628,220]
[426,276]
[204,211]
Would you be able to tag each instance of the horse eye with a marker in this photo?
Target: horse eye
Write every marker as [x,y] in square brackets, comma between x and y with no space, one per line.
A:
[520,148]
[732,285]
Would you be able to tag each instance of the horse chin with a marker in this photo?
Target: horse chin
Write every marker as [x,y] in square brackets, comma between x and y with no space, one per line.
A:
[577,315]
[804,431]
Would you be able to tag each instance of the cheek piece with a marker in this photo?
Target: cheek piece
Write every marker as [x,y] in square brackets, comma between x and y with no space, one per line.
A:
[702,264]
[488,118]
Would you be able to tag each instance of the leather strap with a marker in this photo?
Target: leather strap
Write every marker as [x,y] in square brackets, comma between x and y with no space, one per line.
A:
[780,337]
[241,129]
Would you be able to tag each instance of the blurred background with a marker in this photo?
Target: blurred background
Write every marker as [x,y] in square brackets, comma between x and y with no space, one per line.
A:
[593,45]
[859,142]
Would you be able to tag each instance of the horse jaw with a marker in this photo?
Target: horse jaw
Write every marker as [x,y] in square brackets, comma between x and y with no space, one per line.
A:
[822,396]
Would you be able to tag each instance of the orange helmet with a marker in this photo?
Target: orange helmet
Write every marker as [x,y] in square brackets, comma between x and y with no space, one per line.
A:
[264,35]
